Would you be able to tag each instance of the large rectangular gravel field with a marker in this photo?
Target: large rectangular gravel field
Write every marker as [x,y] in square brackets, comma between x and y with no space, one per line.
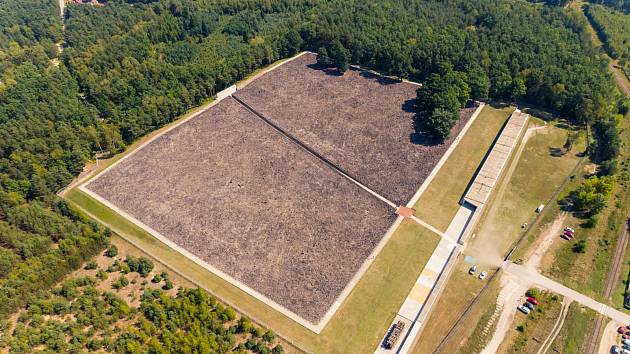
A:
[361,122]
[234,192]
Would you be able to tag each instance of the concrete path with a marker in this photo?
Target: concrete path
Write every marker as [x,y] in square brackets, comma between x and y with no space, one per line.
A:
[526,275]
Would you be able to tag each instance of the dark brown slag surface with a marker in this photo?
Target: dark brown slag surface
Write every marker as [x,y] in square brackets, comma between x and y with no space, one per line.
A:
[361,122]
[228,188]
[235,193]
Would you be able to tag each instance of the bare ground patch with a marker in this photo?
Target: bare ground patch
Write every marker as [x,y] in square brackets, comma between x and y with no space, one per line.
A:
[235,193]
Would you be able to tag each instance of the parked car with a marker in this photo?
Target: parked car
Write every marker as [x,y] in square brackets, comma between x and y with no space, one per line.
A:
[529,305]
[572,230]
[615,349]
[532,300]
[482,275]
[567,237]
[472,270]
[621,330]
[523,309]
[625,342]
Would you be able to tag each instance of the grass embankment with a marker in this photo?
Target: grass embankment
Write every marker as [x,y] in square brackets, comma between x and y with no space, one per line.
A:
[577,328]
[587,272]
[530,331]
[360,322]
[452,180]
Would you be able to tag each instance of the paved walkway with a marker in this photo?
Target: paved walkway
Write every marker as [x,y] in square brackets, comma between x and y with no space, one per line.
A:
[488,176]
[414,310]
[527,275]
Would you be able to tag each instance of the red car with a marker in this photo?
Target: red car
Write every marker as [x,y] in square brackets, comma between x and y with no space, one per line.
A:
[621,330]
[567,237]
[532,301]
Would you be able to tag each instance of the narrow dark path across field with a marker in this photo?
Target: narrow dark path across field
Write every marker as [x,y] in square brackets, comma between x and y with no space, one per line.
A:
[314,153]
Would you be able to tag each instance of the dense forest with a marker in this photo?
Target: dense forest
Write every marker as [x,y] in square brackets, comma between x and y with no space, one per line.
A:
[123,305]
[613,28]
[623,5]
[129,67]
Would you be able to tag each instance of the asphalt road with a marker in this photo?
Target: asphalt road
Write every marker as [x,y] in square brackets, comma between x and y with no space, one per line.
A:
[527,275]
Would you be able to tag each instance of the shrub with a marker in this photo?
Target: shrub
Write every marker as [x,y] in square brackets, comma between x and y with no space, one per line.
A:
[244,325]
[111,251]
[579,247]
[120,283]
[90,265]
[592,221]
[278,349]
[157,278]
[533,292]
[168,285]
[268,336]
[101,274]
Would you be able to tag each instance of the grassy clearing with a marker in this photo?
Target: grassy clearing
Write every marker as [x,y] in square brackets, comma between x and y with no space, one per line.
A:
[587,272]
[450,183]
[360,322]
[460,290]
[577,327]
[534,179]
[530,331]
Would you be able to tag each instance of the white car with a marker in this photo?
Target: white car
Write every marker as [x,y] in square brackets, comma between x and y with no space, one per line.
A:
[482,275]
[472,270]
[523,309]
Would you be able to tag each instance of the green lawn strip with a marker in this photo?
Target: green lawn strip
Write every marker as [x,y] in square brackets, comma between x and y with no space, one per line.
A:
[460,290]
[357,326]
[537,175]
[474,337]
[440,201]
[577,327]
[530,331]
